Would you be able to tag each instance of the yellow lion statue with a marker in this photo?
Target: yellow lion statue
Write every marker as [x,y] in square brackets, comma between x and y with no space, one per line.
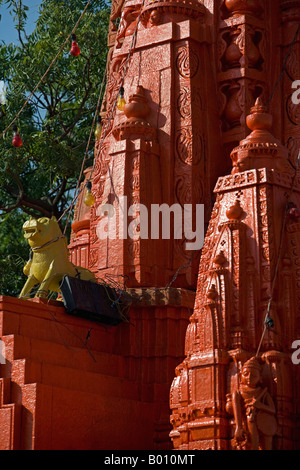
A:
[49,262]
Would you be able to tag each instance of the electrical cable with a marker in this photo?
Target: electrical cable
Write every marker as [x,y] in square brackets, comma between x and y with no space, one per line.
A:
[107,123]
[268,321]
[76,193]
[284,66]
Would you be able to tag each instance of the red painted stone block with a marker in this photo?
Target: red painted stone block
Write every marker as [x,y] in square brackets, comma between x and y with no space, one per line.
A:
[60,390]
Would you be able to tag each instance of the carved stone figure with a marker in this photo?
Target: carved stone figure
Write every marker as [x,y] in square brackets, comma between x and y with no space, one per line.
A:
[49,262]
[254,410]
[127,23]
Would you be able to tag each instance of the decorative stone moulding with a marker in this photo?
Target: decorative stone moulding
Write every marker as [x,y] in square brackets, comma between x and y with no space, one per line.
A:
[128,22]
[144,296]
[233,111]
[212,294]
[260,149]
[242,49]
[233,53]
[290,12]
[189,8]
[136,110]
[242,7]
[81,225]
[220,260]
[235,211]
[289,4]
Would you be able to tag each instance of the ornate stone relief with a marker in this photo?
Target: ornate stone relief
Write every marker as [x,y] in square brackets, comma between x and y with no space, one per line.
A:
[253,410]
[184,8]
[136,112]
[249,404]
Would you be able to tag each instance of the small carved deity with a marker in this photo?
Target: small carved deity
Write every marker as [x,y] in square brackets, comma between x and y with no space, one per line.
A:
[254,410]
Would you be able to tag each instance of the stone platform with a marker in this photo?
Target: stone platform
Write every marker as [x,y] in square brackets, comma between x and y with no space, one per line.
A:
[68,383]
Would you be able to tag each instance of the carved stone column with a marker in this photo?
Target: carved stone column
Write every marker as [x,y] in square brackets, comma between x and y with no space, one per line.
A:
[170,61]
[127,184]
[242,56]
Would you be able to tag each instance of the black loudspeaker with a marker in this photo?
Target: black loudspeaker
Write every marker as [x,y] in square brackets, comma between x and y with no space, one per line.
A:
[87,299]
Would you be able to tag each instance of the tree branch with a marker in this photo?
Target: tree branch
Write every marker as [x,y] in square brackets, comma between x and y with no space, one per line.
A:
[25,201]
[11,191]
[60,192]
[19,28]
[38,205]
[78,116]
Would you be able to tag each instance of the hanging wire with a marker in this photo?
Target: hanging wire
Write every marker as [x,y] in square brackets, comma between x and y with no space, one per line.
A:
[108,121]
[116,286]
[77,192]
[58,323]
[268,322]
[103,135]
[121,290]
[284,65]
[112,290]
[47,71]
[132,45]
[185,266]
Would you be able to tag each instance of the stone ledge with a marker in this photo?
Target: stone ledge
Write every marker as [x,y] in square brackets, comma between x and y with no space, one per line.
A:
[254,177]
[156,296]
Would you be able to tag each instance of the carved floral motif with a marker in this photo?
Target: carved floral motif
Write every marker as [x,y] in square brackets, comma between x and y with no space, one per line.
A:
[187,62]
[189,146]
[186,8]
[293,111]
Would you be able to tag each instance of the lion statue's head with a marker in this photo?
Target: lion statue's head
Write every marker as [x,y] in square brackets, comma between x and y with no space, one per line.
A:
[40,231]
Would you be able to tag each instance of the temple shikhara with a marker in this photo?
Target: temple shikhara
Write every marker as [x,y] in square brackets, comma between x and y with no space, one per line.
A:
[204,359]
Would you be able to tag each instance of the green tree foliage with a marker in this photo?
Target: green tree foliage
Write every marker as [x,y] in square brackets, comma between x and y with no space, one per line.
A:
[13,253]
[39,178]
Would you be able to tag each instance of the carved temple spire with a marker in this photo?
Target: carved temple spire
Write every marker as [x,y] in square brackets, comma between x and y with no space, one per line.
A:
[260,149]
[235,283]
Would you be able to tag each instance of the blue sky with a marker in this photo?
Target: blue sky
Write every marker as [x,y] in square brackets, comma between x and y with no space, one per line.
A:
[8,33]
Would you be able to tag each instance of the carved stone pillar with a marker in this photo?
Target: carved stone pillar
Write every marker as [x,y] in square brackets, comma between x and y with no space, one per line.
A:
[280,371]
[170,61]
[126,185]
[241,65]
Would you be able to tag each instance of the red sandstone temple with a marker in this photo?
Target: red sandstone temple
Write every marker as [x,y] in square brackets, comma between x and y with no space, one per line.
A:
[205,358]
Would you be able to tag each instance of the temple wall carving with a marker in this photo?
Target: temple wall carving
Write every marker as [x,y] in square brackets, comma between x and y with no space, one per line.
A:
[212,121]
